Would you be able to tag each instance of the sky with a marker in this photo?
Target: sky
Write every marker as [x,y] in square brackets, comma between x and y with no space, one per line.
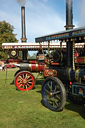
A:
[42,16]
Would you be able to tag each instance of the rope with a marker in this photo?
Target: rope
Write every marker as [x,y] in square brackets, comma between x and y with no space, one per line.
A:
[6,70]
[5,77]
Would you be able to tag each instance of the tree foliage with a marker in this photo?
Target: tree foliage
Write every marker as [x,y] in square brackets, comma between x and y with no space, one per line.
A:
[6,36]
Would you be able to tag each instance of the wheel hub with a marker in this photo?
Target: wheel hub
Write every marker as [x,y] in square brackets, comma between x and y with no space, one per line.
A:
[52,94]
[24,81]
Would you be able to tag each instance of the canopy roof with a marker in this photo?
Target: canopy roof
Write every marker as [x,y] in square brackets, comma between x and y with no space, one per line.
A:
[64,35]
[35,46]
[30,46]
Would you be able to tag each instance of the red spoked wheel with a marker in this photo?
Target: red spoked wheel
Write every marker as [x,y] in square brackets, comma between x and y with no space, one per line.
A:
[24,81]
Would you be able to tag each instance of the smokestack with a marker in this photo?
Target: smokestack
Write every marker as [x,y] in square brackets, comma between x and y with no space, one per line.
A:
[69,14]
[69,25]
[23,39]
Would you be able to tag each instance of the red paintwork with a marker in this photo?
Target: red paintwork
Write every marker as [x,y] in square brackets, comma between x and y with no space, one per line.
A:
[13,60]
[76,55]
[54,63]
[49,72]
[10,66]
[37,67]
[24,79]
[32,62]
[41,67]
[80,60]
[33,67]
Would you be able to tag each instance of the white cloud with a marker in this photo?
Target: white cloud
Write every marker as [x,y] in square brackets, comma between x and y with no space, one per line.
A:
[82,12]
[45,0]
[41,19]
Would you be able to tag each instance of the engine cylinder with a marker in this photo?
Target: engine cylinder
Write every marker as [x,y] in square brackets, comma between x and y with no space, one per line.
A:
[78,75]
[31,67]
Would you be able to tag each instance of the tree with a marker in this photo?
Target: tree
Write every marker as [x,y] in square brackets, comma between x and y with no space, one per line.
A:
[6,36]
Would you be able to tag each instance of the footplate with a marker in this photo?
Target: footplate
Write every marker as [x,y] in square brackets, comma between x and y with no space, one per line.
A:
[78,89]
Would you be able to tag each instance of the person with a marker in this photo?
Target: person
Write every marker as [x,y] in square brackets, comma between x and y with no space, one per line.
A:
[0,65]
[3,68]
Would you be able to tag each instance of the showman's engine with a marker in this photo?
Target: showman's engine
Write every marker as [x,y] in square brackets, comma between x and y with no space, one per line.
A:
[65,73]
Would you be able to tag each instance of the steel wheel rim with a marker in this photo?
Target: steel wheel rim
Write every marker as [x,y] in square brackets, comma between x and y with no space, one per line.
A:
[52,94]
[24,81]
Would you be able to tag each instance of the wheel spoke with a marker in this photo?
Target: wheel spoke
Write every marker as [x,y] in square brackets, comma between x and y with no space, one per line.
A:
[29,80]
[28,77]
[23,86]
[55,89]
[56,102]
[57,92]
[49,98]
[51,86]
[46,90]
[28,85]
[19,83]
[20,77]
[57,97]
[23,76]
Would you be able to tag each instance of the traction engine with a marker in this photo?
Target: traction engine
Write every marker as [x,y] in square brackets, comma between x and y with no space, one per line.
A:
[70,80]
[18,55]
[64,75]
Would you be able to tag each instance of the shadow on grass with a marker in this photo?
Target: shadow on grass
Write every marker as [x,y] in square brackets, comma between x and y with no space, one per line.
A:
[39,81]
[48,108]
[76,108]
[12,83]
[73,107]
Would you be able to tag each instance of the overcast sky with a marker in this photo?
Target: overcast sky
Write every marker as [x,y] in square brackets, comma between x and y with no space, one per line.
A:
[42,16]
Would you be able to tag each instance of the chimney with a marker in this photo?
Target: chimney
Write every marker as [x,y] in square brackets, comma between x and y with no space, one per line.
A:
[69,14]
[23,39]
[69,25]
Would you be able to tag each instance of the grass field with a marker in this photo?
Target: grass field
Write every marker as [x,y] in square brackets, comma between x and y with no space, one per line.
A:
[19,109]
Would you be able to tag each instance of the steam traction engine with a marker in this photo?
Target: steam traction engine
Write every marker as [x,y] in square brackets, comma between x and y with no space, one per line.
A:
[23,78]
[70,74]
[70,78]
[63,73]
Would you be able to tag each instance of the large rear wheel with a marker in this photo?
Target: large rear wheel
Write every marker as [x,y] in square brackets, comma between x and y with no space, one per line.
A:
[76,99]
[24,80]
[53,94]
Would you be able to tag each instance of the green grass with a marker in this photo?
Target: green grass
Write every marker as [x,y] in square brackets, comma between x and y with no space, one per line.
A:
[19,109]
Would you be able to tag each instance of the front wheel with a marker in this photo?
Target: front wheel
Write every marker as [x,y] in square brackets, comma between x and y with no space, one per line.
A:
[24,80]
[53,94]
